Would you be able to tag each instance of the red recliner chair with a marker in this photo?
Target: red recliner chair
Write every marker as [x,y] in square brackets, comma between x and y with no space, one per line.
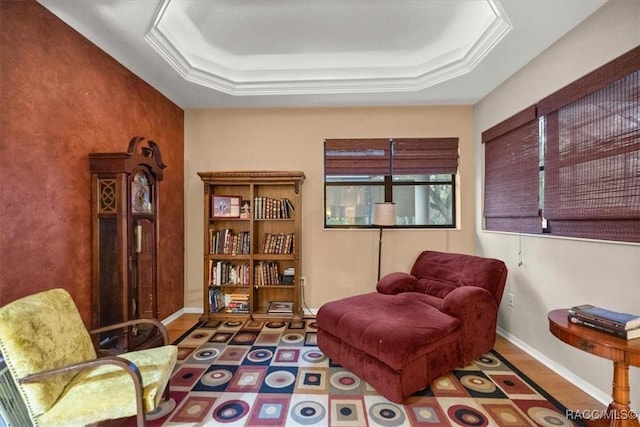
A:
[417,326]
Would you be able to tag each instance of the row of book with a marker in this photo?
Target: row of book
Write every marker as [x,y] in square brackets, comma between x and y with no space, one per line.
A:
[270,208]
[265,273]
[623,325]
[228,273]
[229,243]
[280,243]
[268,273]
[238,303]
[220,302]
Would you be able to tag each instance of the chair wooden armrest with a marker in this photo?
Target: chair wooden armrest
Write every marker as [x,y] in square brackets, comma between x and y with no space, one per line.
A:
[122,325]
[129,367]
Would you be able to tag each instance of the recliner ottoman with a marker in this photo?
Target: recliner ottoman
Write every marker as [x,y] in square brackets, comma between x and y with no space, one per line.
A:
[417,326]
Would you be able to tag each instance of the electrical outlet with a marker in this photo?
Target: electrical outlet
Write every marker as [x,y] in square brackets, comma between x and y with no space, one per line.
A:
[510,299]
[303,281]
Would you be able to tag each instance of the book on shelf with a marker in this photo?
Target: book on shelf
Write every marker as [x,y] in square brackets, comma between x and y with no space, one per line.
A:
[239,297]
[216,299]
[227,242]
[238,308]
[278,243]
[266,273]
[613,319]
[228,273]
[628,334]
[237,302]
[285,307]
[291,211]
[271,208]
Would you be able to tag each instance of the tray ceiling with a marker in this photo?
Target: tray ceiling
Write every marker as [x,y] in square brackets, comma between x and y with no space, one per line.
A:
[224,53]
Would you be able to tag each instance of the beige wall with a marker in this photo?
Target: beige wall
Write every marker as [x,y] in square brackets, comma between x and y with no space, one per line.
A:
[559,272]
[336,263]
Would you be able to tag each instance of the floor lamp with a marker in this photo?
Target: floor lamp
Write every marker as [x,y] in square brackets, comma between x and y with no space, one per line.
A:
[384,215]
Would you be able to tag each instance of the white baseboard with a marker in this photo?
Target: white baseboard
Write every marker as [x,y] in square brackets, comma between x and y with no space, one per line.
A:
[310,311]
[180,312]
[193,310]
[588,388]
[173,317]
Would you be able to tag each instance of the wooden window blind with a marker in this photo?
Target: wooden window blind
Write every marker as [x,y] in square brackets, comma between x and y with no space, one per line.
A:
[413,156]
[592,163]
[511,183]
[357,157]
[401,156]
[591,159]
[593,81]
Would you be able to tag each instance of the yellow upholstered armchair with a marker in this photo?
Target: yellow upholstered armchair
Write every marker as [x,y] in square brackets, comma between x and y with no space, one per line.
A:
[61,379]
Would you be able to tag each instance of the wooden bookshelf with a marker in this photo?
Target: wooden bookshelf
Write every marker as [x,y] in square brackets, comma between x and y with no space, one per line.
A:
[255,251]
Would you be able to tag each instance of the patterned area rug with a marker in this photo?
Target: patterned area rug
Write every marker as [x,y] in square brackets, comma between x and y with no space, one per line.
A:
[273,374]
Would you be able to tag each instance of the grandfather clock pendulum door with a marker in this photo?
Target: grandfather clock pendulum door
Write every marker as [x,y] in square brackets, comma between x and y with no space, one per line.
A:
[142,260]
[125,230]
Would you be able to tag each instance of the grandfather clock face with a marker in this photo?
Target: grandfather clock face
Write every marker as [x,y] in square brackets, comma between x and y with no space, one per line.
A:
[141,194]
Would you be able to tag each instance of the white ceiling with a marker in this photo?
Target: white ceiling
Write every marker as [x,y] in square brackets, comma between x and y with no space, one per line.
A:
[260,53]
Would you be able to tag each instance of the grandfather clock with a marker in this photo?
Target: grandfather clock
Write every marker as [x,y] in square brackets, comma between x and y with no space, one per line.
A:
[125,236]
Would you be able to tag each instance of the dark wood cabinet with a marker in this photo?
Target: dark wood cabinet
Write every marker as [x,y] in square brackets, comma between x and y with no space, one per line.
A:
[125,234]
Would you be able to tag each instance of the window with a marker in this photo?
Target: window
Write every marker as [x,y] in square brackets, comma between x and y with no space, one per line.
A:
[417,174]
[588,166]
[592,172]
[511,185]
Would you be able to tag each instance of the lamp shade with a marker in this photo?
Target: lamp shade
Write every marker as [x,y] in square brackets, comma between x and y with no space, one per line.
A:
[384,213]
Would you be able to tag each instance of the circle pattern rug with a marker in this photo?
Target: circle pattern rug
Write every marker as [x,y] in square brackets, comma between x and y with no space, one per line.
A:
[274,374]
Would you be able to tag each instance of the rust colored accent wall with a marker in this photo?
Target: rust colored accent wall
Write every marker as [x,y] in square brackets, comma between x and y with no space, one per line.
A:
[61,98]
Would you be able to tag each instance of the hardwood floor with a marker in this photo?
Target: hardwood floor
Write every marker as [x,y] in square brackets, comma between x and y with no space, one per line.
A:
[565,392]
[180,325]
[568,394]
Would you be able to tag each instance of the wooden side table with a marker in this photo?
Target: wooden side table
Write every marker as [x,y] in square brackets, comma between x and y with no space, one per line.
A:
[623,353]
